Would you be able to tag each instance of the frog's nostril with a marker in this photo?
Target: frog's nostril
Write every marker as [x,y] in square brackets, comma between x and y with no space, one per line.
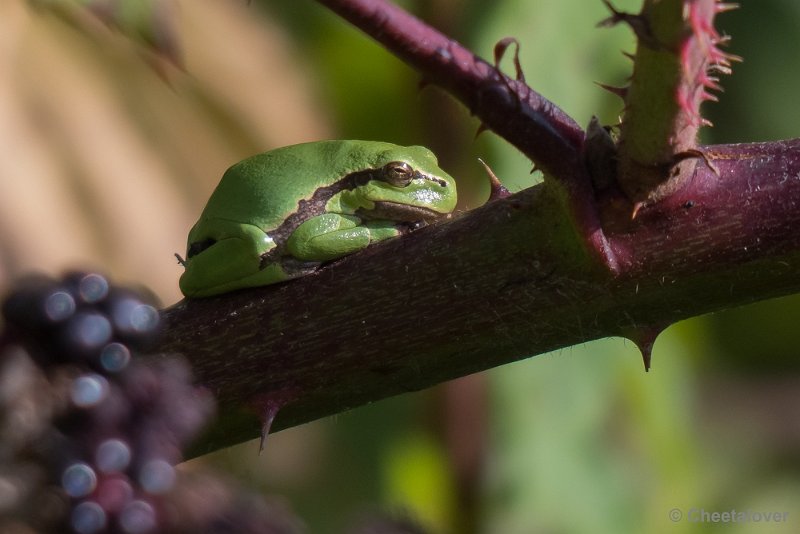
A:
[198,247]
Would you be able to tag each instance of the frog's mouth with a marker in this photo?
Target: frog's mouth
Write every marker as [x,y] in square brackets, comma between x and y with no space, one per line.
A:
[393,211]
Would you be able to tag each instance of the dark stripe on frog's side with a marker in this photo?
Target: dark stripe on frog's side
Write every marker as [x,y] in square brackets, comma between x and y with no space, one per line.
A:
[308,208]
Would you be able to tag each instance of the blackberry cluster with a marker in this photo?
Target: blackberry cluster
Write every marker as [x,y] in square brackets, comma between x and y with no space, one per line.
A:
[90,434]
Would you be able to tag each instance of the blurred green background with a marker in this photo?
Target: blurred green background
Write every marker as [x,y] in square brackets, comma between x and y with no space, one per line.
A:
[108,152]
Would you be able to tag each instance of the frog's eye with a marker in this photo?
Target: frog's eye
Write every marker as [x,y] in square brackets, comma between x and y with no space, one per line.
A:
[198,247]
[398,173]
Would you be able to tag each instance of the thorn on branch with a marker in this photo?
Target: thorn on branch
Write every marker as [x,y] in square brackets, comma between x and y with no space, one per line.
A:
[497,189]
[634,212]
[500,50]
[696,153]
[637,23]
[722,7]
[621,92]
[644,337]
[268,405]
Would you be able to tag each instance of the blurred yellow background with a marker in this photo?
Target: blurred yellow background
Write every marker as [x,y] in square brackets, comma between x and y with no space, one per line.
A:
[108,152]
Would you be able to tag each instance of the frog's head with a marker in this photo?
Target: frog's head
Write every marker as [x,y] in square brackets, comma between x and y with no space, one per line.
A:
[406,184]
[222,255]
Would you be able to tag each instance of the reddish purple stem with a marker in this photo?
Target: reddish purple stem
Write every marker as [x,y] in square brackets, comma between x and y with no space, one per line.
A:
[553,140]
[727,238]
[752,207]
[536,126]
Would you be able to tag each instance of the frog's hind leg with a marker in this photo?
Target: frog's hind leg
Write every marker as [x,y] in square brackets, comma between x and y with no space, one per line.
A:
[332,235]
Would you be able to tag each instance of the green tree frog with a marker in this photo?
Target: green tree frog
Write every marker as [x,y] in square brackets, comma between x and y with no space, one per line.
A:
[281,214]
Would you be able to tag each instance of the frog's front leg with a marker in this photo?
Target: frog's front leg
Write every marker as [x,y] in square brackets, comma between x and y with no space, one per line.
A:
[332,235]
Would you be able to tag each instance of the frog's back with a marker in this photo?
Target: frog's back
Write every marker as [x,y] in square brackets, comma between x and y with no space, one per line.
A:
[264,189]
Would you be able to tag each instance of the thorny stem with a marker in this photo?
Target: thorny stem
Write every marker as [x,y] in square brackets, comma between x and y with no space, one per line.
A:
[539,128]
[677,47]
[501,283]
[506,281]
